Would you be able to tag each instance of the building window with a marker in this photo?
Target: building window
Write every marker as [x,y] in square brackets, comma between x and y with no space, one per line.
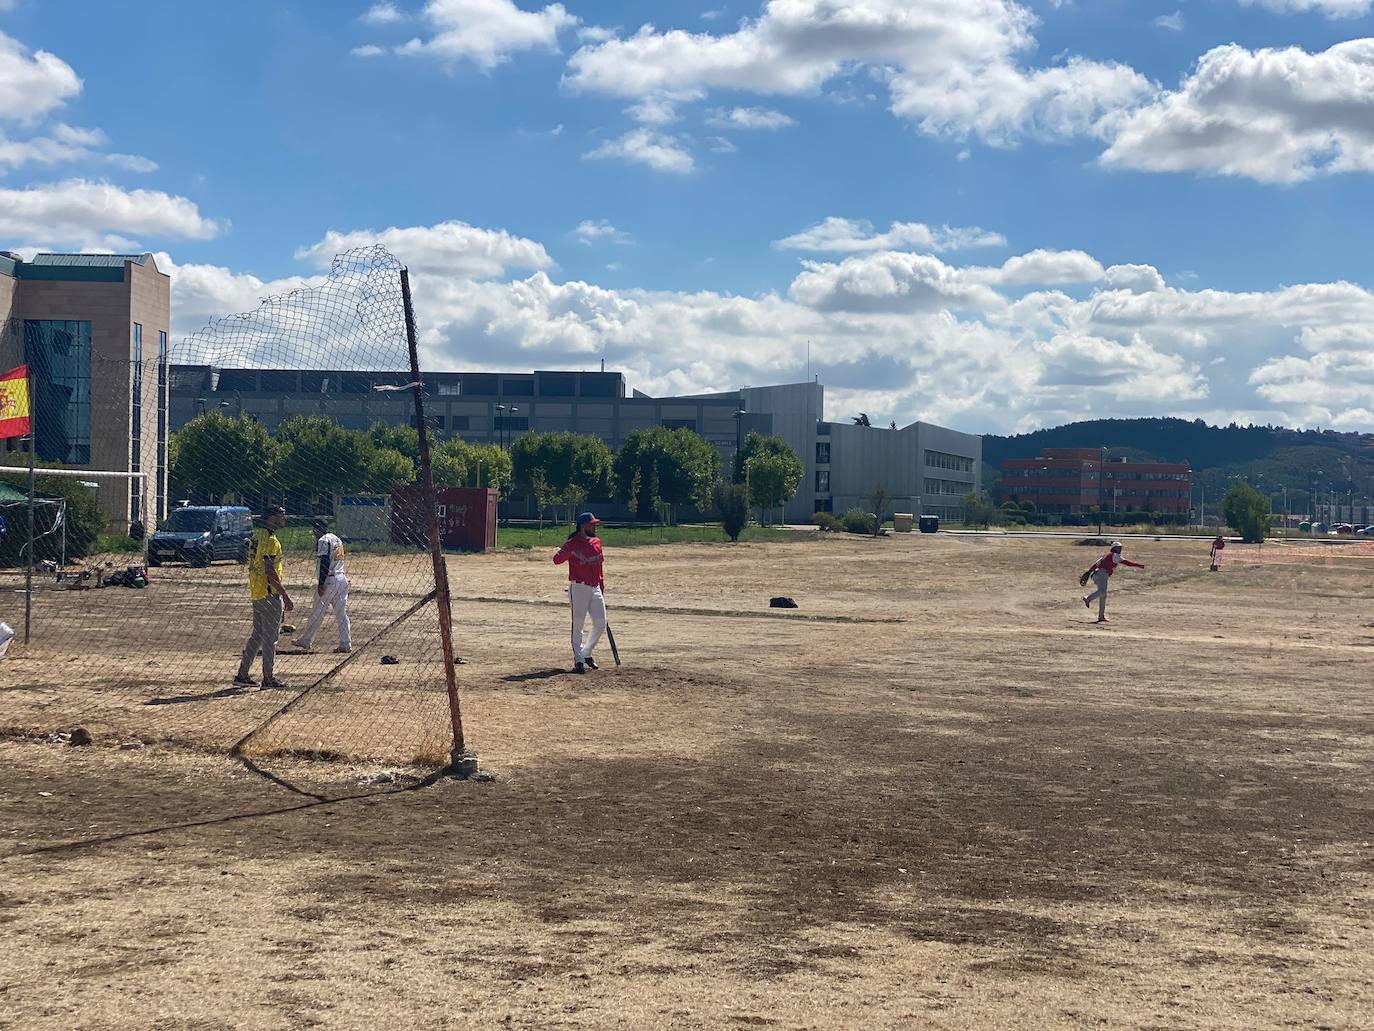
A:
[512,422]
[479,384]
[236,380]
[160,487]
[823,453]
[942,460]
[680,424]
[287,382]
[136,420]
[822,429]
[315,382]
[517,386]
[822,481]
[460,422]
[355,383]
[557,384]
[59,358]
[955,488]
[600,384]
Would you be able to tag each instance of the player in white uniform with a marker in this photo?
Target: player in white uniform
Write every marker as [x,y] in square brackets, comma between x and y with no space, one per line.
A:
[331,590]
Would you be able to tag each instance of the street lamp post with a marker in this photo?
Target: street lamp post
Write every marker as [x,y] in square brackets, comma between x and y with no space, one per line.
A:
[1101,478]
[737,473]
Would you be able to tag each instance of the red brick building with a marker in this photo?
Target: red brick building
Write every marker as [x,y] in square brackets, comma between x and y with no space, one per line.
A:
[1076,480]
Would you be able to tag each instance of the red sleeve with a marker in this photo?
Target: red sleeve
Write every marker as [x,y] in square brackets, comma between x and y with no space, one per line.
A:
[562,555]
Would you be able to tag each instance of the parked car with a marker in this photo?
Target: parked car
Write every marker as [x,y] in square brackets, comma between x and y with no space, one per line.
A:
[1368,531]
[199,535]
[1342,528]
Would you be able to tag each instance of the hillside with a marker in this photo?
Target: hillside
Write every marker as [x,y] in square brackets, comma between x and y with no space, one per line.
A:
[1269,457]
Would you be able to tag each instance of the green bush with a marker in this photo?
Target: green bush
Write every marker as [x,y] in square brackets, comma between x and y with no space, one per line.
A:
[827,522]
[856,520]
[85,520]
[732,502]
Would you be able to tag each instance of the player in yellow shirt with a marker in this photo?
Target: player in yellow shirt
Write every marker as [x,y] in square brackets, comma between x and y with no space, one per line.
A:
[269,597]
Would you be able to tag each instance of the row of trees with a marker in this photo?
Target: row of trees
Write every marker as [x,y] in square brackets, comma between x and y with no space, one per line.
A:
[217,455]
[656,471]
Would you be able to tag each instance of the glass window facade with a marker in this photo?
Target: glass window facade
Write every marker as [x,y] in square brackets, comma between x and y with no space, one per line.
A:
[823,453]
[59,358]
[136,418]
[161,486]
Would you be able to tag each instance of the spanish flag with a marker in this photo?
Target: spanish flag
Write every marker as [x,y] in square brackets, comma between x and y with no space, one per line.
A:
[14,403]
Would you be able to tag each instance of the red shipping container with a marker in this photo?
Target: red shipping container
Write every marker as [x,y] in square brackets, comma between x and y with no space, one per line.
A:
[467,517]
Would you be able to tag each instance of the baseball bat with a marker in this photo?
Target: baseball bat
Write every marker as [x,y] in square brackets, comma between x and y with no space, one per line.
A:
[610,636]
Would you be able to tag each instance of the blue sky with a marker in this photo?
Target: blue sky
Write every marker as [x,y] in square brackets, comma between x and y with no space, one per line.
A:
[989,213]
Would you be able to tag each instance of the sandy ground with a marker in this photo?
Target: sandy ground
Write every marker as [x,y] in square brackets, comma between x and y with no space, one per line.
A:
[934,796]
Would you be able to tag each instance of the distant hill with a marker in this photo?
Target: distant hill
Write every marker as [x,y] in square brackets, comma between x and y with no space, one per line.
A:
[1268,457]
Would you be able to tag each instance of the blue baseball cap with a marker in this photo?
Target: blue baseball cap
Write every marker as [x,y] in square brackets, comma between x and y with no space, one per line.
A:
[585,518]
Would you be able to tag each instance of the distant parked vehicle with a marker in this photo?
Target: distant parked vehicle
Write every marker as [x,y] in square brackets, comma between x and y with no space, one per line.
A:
[1368,531]
[1342,528]
[199,535]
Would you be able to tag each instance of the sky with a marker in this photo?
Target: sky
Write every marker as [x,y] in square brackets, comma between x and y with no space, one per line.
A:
[996,215]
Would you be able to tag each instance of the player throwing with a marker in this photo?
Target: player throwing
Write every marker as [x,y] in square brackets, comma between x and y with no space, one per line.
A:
[1100,572]
[586,587]
[331,590]
[269,598]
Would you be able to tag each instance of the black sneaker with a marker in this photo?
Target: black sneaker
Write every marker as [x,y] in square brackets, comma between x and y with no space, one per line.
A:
[274,685]
[591,663]
[579,668]
[244,680]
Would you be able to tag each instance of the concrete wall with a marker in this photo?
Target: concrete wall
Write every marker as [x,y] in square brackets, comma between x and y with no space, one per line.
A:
[794,409]
[861,457]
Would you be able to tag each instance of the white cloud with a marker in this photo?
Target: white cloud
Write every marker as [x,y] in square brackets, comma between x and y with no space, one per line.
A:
[64,144]
[1043,267]
[1139,279]
[891,282]
[1330,8]
[661,108]
[594,34]
[488,32]
[661,152]
[953,65]
[367,50]
[590,231]
[382,14]
[1277,116]
[845,235]
[720,145]
[748,118]
[32,83]
[455,247]
[82,214]
[1172,22]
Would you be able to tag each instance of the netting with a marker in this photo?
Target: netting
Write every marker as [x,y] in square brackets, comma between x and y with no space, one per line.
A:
[148,639]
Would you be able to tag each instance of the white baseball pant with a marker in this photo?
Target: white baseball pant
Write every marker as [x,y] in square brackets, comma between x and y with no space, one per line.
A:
[335,597]
[586,600]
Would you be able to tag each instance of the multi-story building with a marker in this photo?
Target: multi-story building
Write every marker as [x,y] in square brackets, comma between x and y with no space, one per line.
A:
[926,469]
[93,330]
[496,407]
[1077,480]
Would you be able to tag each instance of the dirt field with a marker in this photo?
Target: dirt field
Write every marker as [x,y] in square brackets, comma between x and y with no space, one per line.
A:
[935,796]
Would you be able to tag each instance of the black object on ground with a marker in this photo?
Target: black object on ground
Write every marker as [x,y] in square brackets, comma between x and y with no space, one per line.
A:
[781,603]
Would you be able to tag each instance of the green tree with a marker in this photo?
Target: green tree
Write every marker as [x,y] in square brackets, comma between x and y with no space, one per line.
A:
[321,457]
[85,519]
[771,469]
[216,455]
[387,469]
[657,470]
[732,502]
[561,468]
[458,463]
[1246,511]
[878,500]
[405,439]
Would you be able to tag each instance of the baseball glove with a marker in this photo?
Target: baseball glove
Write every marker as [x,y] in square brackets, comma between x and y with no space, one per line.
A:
[1083,580]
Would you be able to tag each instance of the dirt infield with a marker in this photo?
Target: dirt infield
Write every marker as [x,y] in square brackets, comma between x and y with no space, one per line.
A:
[934,796]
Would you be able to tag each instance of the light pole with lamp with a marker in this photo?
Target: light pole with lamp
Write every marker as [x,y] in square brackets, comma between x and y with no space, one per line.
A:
[737,473]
